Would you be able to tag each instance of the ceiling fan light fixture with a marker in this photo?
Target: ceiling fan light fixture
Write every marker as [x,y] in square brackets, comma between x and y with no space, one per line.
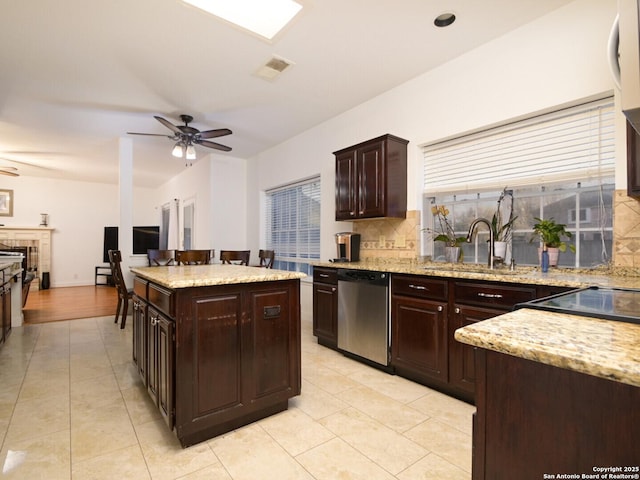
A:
[191,152]
[178,150]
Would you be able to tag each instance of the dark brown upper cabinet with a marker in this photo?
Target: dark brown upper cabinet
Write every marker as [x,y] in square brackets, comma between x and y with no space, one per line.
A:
[633,162]
[371,179]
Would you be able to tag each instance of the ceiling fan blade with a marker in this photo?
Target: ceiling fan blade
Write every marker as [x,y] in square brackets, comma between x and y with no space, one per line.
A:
[168,124]
[218,132]
[217,146]
[150,134]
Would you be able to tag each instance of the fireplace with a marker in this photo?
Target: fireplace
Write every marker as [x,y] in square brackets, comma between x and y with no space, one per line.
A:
[34,243]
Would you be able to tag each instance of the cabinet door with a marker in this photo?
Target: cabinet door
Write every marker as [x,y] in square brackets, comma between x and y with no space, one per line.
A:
[370,172]
[140,337]
[165,368]
[419,338]
[462,372]
[273,332]
[346,185]
[325,314]
[633,162]
[153,316]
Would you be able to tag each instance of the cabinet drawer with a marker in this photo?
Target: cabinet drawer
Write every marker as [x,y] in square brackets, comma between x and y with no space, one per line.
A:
[325,275]
[491,294]
[162,299]
[140,287]
[419,286]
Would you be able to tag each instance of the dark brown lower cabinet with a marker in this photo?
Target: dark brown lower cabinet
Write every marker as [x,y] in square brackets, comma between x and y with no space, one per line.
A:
[220,357]
[419,345]
[462,357]
[325,306]
[534,419]
[426,312]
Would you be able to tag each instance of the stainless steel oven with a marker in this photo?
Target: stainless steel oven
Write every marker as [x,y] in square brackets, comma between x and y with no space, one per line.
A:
[363,314]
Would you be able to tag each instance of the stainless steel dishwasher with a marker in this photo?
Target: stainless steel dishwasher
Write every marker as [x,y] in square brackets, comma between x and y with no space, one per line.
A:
[363,314]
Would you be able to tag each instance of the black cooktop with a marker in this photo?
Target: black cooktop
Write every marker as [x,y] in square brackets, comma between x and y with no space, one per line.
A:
[607,303]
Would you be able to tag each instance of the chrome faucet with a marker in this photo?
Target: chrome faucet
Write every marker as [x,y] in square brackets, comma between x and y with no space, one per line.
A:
[492,247]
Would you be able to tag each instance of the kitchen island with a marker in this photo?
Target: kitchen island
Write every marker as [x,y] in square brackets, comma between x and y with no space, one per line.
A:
[556,394]
[216,346]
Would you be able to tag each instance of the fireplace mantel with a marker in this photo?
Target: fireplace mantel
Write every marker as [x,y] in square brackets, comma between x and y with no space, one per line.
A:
[39,236]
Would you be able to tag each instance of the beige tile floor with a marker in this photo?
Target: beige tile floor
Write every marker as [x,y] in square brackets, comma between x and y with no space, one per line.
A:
[72,407]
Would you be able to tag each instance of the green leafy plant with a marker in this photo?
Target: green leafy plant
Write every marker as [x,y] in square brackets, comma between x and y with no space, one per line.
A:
[502,230]
[551,233]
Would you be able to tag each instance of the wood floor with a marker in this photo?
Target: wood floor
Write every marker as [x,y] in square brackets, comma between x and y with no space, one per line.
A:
[68,303]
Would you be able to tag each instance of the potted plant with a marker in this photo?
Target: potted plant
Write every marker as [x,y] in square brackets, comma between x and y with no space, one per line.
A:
[551,233]
[502,223]
[446,234]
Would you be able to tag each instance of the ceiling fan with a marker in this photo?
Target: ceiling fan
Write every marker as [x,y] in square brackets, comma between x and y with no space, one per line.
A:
[187,137]
[10,171]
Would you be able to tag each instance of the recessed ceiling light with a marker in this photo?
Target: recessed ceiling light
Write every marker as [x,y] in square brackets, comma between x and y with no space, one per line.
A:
[444,20]
[263,17]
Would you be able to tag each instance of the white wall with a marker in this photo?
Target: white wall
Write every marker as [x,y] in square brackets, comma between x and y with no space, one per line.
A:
[78,213]
[557,59]
[218,185]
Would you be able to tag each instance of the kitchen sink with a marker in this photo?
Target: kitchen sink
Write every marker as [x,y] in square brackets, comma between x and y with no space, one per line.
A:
[476,268]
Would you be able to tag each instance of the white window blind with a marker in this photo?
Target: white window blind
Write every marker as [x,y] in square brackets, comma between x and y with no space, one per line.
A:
[576,142]
[292,215]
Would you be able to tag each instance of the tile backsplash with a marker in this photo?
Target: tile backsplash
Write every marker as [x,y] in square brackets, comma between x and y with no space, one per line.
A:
[389,237]
[626,230]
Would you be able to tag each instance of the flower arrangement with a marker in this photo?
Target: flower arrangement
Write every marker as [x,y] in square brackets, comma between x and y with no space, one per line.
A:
[446,234]
[502,230]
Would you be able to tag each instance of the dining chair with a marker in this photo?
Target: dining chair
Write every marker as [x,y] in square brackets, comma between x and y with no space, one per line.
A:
[124,294]
[237,257]
[193,257]
[266,258]
[161,258]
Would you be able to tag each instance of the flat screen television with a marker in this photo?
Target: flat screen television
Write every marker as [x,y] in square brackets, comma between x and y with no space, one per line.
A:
[145,238]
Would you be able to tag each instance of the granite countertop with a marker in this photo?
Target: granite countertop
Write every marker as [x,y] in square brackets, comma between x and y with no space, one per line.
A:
[562,277]
[602,348]
[186,276]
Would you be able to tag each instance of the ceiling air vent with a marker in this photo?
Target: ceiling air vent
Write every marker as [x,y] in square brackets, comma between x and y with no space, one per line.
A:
[273,68]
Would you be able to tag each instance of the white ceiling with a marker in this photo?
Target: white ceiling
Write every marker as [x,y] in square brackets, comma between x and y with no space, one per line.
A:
[76,75]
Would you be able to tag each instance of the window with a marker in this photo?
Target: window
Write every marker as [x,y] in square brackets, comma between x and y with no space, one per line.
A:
[188,216]
[559,165]
[164,227]
[592,236]
[292,228]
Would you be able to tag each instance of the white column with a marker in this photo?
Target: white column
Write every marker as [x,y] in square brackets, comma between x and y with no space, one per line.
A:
[125,200]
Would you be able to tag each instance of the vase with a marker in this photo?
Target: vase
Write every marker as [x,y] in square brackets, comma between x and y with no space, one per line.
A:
[452,254]
[500,250]
[553,256]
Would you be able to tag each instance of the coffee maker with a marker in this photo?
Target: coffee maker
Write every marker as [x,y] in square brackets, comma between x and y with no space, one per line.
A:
[348,245]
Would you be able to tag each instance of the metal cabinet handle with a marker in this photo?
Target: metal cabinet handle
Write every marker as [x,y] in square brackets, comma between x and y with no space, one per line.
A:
[489,295]
[440,308]
[418,287]
[333,289]
[323,275]
[457,310]
[154,320]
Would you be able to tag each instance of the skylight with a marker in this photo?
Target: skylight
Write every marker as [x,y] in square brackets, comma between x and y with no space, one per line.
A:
[263,17]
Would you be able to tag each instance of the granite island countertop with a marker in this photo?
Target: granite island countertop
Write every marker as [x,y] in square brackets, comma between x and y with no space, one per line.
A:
[561,277]
[186,276]
[602,348]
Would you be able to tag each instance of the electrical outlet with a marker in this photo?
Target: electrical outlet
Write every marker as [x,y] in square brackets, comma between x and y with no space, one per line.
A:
[382,241]
[401,241]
